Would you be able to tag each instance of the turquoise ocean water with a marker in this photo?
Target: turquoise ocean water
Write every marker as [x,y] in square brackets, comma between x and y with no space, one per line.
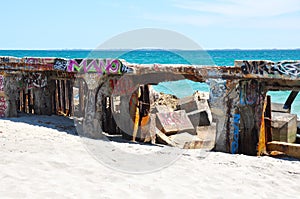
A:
[179,88]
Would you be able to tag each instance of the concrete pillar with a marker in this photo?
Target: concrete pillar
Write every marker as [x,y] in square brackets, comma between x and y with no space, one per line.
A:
[217,101]
[252,99]
[91,125]
[43,98]
[9,96]
[3,97]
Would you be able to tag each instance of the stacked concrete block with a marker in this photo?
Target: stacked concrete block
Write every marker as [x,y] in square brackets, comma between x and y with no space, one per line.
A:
[284,127]
[174,122]
[197,109]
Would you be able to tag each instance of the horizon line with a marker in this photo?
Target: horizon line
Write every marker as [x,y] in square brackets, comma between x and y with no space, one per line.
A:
[124,49]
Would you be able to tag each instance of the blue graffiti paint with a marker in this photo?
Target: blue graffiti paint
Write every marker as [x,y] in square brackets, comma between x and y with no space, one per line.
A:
[249,93]
[235,142]
[242,101]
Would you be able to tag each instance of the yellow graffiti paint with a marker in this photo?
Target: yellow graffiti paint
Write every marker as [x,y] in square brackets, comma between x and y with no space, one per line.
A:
[261,148]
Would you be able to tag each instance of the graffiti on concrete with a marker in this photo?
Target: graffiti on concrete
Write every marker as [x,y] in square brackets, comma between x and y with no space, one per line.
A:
[60,64]
[99,66]
[290,68]
[2,98]
[252,98]
[4,60]
[235,142]
[174,121]
[2,106]
[249,93]
[46,63]
[236,98]
[39,80]
[1,83]
[30,80]
[122,86]
[125,69]
[217,89]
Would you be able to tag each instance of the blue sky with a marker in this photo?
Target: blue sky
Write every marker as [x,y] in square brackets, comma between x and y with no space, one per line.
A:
[213,24]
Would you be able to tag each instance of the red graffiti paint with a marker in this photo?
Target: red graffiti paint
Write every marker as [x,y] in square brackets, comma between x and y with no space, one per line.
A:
[123,86]
[1,83]
[2,106]
[39,63]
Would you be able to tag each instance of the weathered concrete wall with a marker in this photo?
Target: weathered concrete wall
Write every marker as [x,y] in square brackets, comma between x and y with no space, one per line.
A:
[237,94]
[268,69]
[9,97]
[3,97]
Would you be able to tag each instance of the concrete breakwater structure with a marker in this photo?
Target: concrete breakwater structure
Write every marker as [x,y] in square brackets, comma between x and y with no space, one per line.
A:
[116,97]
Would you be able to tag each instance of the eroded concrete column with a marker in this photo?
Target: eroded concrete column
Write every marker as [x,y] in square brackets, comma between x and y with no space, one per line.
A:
[9,96]
[91,125]
[218,109]
[43,97]
[233,117]
[3,97]
[252,99]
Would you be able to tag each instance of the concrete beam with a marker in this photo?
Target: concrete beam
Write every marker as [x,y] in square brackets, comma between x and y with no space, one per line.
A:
[289,149]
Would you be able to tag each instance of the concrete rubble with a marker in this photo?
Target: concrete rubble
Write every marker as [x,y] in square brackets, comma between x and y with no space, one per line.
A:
[188,124]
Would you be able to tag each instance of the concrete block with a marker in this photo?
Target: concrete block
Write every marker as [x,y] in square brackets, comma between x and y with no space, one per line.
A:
[284,127]
[278,107]
[199,118]
[194,117]
[199,144]
[292,150]
[197,108]
[161,109]
[188,104]
[173,122]
[198,101]
[181,139]
[201,95]
[163,139]
[207,134]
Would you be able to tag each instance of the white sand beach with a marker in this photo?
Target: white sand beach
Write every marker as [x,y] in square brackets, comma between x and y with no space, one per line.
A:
[40,157]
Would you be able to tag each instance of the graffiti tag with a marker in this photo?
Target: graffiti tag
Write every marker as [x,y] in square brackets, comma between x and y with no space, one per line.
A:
[60,64]
[290,68]
[100,66]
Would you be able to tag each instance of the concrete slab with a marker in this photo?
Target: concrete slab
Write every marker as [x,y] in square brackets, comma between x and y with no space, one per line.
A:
[289,149]
[173,122]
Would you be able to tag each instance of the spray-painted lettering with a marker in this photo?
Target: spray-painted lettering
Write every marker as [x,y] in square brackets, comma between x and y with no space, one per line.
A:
[29,80]
[60,64]
[290,68]
[100,66]
[46,63]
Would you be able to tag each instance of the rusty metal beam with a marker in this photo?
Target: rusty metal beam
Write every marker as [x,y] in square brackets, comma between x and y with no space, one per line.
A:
[290,99]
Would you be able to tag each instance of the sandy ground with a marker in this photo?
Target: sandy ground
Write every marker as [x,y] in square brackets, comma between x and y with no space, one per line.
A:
[40,157]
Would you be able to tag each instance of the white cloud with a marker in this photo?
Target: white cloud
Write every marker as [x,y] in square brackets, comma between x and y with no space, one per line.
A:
[282,23]
[242,8]
[242,14]
[195,20]
[285,23]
